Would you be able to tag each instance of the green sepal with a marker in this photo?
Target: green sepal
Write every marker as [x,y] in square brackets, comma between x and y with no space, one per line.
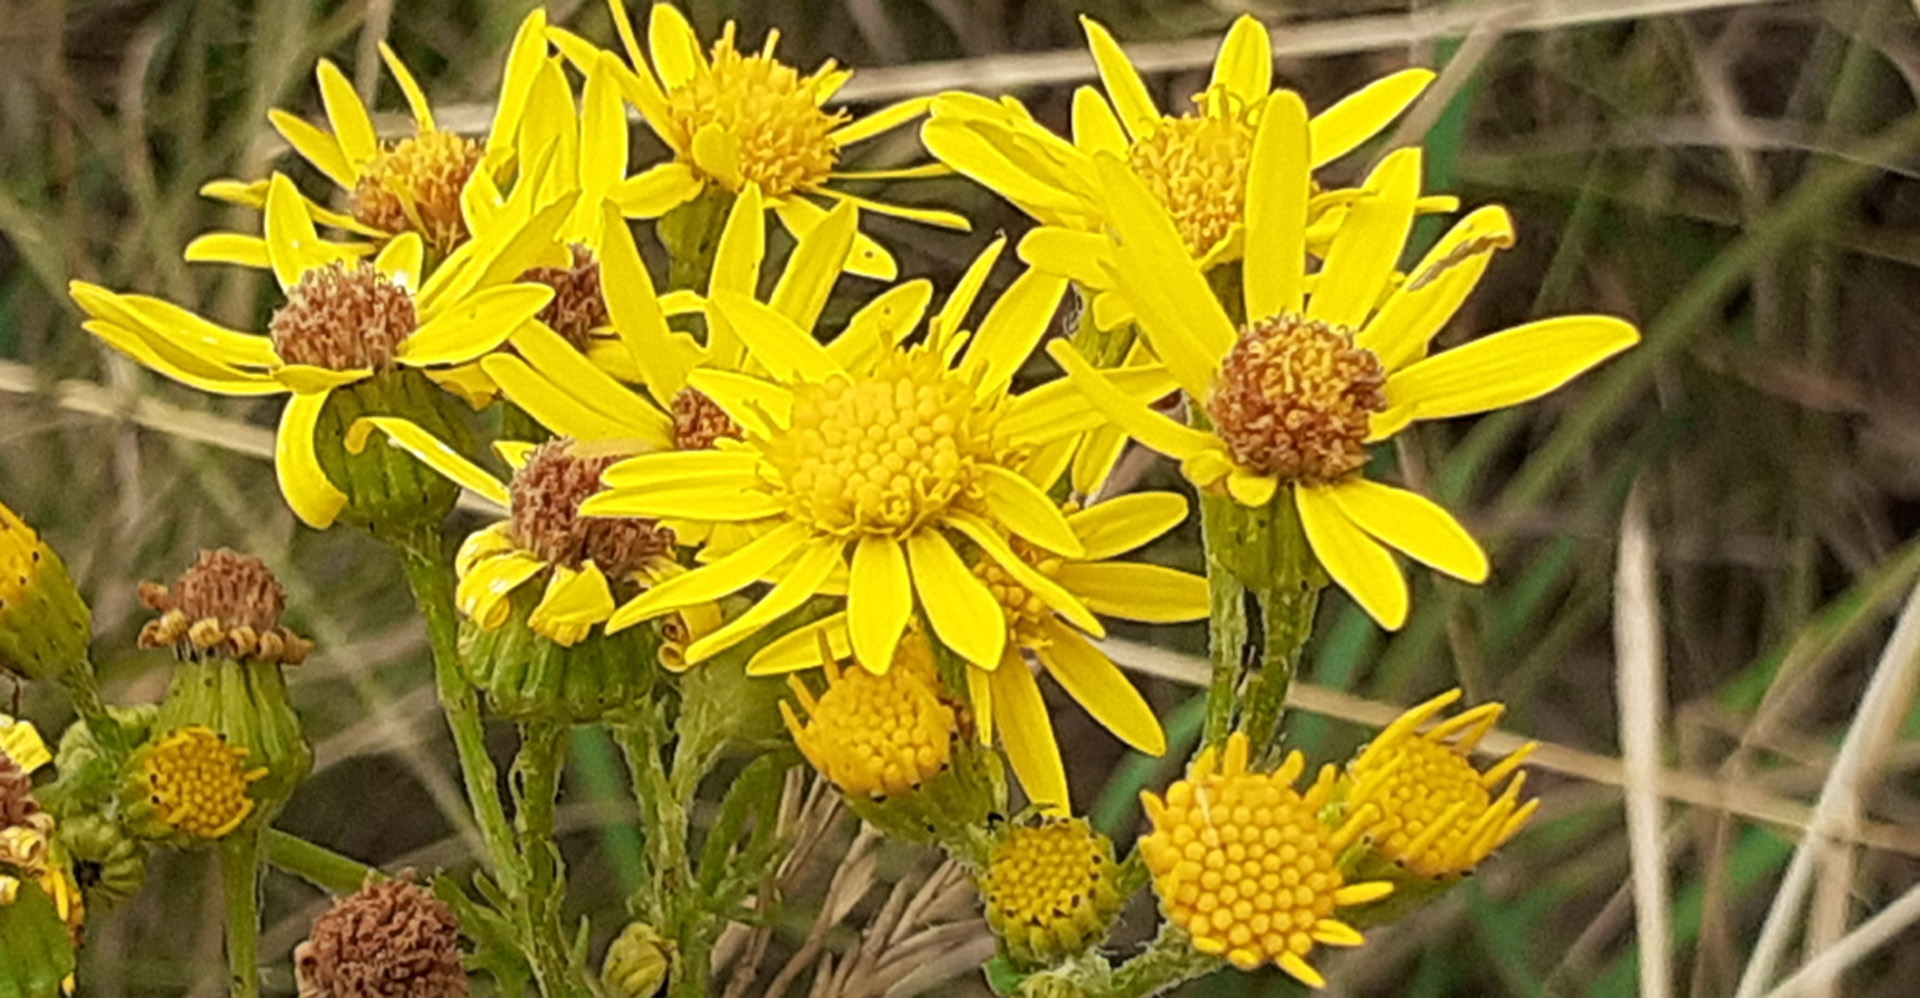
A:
[954,810]
[1004,976]
[45,628]
[529,677]
[89,778]
[36,950]
[389,491]
[109,863]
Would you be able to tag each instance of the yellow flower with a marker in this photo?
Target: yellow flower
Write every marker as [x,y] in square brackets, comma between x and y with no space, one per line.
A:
[736,120]
[863,463]
[1049,609]
[876,735]
[1196,164]
[1051,888]
[344,322]
[29,850]
[423,184]
[1433,813]
[582,559]
[1293,397]
[197,784]
[1242,862]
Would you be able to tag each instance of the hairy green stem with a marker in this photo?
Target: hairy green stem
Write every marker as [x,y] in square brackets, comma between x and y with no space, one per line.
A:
[1227,621]
[240,876]
[1168,961]
[316,864]
[1288,599]
[536,779]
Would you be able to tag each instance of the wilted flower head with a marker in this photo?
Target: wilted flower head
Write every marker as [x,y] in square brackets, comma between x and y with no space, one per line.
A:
[392,939]
[227,605]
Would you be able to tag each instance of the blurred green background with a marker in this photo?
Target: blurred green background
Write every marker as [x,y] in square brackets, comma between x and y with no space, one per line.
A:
[1737,177]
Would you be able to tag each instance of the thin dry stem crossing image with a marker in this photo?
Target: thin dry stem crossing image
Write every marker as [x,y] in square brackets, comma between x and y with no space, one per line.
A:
[857,499]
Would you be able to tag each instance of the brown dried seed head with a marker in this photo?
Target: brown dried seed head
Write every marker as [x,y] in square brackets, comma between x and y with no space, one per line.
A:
[698,422]
[344,317]
[578,306]
[546,496]
[1294,400]
[391,940]
[16,793]
[226,604]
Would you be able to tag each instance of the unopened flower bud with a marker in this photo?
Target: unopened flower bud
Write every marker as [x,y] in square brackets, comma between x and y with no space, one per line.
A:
[637,962]
[1050,889]
[44,624]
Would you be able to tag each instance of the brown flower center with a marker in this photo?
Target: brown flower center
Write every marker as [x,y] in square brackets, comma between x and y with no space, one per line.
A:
[578,307]
[1294,400]
[16,793]
[344,317]
[414,186]
[547,494]
[226,604]
[698,422]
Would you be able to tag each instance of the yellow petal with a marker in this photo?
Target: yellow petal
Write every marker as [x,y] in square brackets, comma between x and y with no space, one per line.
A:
[546,402]
[435,453]
[993,543]
[869,258]
[1069,253]
[1244,67]
[926,216]
[549,143]
[736,571]
[884,120]
[1058,409]
[416,98]
[716,152]
[1362,114]
[673,45]
[140,348]
[814,265]
[800,583]
[743,245]
[881,325]
[292,244]
[475,326]
[524,57]
[1509,367]
[209,342]
[401,260]
[952,316]
[758,405]
[1278,187]
[603,132]
[1027,733]
[1412,524]
[307,378]
[964,614]
[1097,684]
[980,698]
[352,126]
[22,743]
[1118,525]
[1152,594]
[1016,322]
[1095,129]
[1123,84]
[573,599]
[1355,560]
[1433,291]
[657,190]
[1251,488]
[1096,457]
[1368,246]
[1145,425]
[316,147]
[313,498]
[800,648]
[228,247]
[673,468]
[1020,506]
[636,315]
[786,350]
[482,592]
[879,601]
[712,501]
[561,364]
[973,149]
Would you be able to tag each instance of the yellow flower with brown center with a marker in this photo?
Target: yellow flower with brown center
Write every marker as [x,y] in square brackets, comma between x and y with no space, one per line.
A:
[345,323]
[876,735]
[1294,396]
[44,624]
[1433,812]
[197,783]
[737,120]
[1197,165]
[423,184]
[1242,862]
[1050,888]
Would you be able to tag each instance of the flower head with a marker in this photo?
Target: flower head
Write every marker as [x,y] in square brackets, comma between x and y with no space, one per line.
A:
[1294,396]
[877,735]
[392,939]
[44,624]
[1242,862]
[344,323]
[226,605]
[1434,813]
[1050,888]
[197,783]
[738,120]
[29,851]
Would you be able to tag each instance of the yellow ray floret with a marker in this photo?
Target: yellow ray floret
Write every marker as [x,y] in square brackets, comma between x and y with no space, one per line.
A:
[1294,395]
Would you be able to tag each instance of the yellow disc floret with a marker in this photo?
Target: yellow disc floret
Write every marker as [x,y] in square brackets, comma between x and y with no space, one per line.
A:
[1242,862]
[1049,888]
[1026,612]
[767,110]
[884,453]
[1197,166]
[198,783]
[877,735]
[415,184]
[1433,813]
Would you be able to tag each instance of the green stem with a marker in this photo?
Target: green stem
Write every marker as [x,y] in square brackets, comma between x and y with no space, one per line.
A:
[1227,621]
[1287,604]
[691,234]
[424,555]
[240,875]
[536,772]
[1168,961]
[316,864]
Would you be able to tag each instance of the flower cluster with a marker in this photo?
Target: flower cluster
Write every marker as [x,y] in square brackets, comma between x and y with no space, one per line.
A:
[748,466]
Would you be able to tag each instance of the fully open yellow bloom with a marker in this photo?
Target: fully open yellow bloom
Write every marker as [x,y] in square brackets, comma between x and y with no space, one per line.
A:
[1433,813]
[1242,862]
[345,321]
[424,184]
[863,463]
[1293,397]
[1197,165]
[1049,614]
[734,119]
